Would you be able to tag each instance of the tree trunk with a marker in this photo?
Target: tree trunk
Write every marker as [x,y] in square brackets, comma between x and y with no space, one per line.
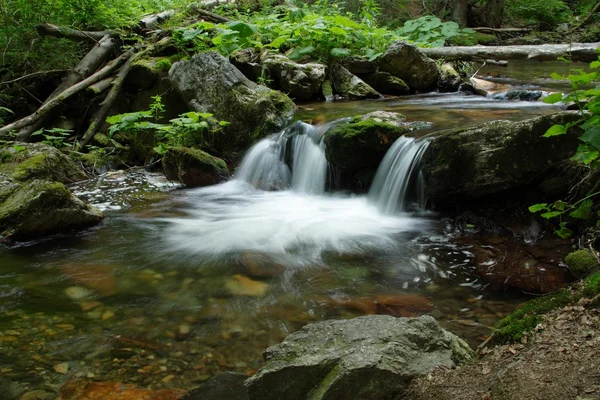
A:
[494,13]
[69,33]
[584,52]
[460,13]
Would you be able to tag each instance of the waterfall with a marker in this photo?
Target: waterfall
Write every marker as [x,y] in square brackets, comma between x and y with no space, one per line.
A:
[398,179]
[294,158]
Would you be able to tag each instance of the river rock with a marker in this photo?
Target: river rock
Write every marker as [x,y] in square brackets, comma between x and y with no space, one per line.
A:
[499,156]
[194,167]
[351,86]
[39,207]
[248,62]
[450,80]
[24,161]
[209,83]
[225,386]
[387,83]
[408,63]
[367,358]
[300,81]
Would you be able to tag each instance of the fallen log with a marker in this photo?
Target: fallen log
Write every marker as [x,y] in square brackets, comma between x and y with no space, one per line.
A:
[97,56]
[101,86]
[501,31]
[112,95]
[151,22]
[584,52]
[70,33]
[59,99]
[210,16]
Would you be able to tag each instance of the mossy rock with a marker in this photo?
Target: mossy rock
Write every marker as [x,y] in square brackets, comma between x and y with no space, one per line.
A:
[408,63]
[210,83]
[194,167]
[145,72]
[350,86]
[362,142]
[25,161]
[580,262]
[386,83]
[40,207]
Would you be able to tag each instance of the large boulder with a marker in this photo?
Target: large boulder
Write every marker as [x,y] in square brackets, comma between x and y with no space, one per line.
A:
[499,156]
[39,207]
[25,161]
[300,81]
[367,358]
[194,167]
[408,63]
[209,83]
[350,86]
[355,148]
[387,83]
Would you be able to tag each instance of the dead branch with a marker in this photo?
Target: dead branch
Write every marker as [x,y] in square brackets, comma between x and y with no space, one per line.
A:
[210,16]
[101,86]
[151,22]
[69,33]
[59,99]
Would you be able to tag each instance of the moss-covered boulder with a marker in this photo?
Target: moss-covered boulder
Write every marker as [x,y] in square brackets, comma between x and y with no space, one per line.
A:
[299,81]
[363,141]
[450,80]
[210,83]
[387,83]
[367,358]
[145,72]
[40,207]
[408,63]
[497,157]
[25,161]
[194,167]
[248,62]
[350,86]
[580,262]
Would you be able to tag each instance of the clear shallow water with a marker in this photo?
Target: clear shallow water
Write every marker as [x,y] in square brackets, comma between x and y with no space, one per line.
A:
[177,286]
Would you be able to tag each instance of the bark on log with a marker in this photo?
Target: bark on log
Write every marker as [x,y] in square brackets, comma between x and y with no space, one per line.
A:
[109,101]
[69,33]
[101,52]
[151,22]
[211,16]
[584,52]
[49,106]
[101,86]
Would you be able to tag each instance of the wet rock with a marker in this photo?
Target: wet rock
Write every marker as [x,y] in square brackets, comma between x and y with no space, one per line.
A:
[37,208]
[260,265]
[520,95]
[38,395]
[78,293]
[450,79]
[500,156]
[194,167]
[210,83]
[359,65]
[82,389]
[226,386]
[61,368]
[350,86]
[372,357]
[408,63]
[248,62]
[96,277]
[403,305]
[357,147]
[146,72]
[27,161]
[387,83]
[241,285]
[299,81]
[10,390]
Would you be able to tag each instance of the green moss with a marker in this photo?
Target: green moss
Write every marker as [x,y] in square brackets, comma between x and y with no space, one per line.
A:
[163,65]
[592,285]
[35,166]
[580,262]
[529,315]
[474,39]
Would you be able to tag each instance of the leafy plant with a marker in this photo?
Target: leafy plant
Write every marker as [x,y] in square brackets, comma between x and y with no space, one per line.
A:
[54,137]
[431,31]
[588,152]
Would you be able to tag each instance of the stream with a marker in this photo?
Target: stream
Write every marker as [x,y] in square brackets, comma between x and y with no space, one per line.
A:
[177,286]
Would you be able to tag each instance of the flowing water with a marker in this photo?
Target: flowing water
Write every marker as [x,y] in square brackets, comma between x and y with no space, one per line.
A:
[178,285]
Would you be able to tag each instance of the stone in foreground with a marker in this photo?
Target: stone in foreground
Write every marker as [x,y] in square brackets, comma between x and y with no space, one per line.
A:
[367,358]
[194,167]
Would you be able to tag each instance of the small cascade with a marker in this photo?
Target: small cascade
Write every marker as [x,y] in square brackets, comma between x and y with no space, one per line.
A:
[399,180]
[294,158]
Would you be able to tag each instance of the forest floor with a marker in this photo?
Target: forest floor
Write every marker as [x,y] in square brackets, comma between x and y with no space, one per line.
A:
[561,360]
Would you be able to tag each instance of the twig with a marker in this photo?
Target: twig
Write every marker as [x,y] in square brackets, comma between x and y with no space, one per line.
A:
[485,343]
[32,95]
[52,71]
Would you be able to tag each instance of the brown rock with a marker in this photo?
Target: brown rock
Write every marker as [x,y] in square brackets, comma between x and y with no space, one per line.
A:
[95,277]
[260,265]
[84,390]
[403,305]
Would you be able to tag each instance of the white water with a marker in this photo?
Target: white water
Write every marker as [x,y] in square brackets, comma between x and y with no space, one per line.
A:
[271,208]
[398,176]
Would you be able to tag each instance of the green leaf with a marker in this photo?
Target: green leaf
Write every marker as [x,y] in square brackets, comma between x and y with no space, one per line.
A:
[550,214]
[559,205]
[556,130]
[243,29]
[553,98]
[563,231]
[584,210]
[595,64]
[339,52]
[538,207]
[585,154]
[592,136]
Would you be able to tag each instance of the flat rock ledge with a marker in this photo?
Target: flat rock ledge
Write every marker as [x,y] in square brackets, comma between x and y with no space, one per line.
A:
[368,358]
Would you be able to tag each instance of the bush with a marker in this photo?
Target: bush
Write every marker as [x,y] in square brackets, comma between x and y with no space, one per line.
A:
[544,13]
